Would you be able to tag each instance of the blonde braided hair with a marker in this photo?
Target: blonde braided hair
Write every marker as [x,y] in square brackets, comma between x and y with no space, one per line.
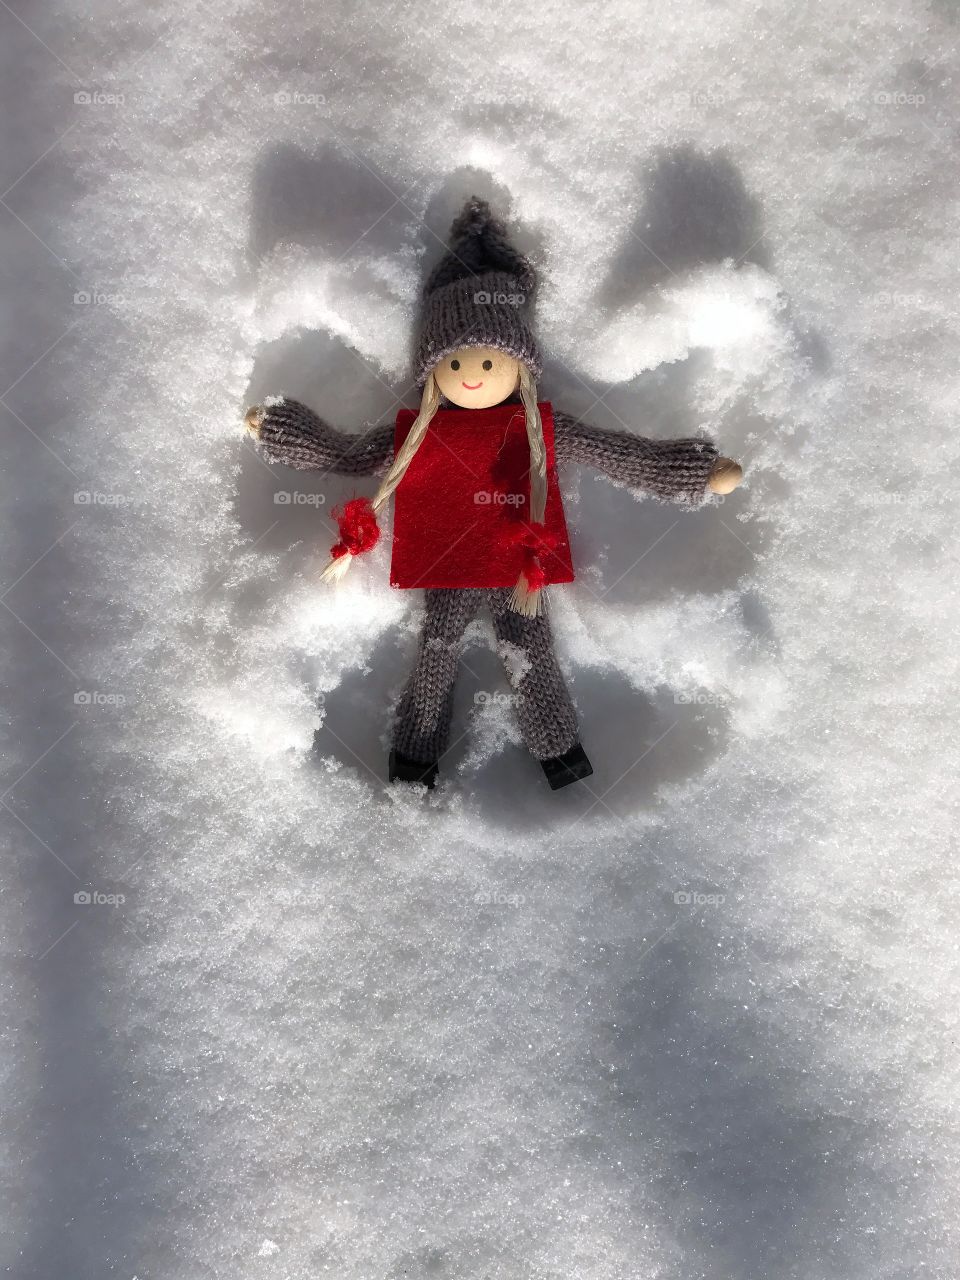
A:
[337,567]
[524,598]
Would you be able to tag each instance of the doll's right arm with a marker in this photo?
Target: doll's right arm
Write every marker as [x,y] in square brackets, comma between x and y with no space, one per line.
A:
[290,433]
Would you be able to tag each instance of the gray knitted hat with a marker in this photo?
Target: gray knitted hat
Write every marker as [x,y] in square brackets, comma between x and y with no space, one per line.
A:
[478,295]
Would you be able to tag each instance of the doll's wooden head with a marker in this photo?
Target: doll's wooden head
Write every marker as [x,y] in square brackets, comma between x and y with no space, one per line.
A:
[477,377]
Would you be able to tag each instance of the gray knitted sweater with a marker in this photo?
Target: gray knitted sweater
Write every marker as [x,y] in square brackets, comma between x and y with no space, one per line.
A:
[674,470]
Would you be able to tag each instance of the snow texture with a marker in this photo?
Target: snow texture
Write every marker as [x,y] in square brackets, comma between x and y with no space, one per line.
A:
[694,1020]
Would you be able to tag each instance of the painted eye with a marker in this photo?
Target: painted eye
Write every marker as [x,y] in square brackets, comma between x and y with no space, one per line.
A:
[454,365]
[488,365]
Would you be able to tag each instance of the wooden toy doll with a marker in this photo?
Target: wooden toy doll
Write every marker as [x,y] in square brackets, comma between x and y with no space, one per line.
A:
[478,515]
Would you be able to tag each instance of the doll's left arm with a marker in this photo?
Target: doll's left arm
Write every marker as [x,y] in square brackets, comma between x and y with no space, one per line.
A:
[675,470]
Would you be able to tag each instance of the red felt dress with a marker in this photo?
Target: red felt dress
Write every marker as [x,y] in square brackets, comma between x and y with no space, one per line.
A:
[461,512]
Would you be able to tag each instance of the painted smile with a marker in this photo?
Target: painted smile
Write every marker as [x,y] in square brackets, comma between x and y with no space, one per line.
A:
[475,386]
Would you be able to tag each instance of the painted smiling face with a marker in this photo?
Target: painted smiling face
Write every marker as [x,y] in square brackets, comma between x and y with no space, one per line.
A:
[477,377]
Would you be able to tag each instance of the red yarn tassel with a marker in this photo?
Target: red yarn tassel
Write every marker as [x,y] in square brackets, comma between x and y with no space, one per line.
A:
[358,528]
[537,541]
[535,574]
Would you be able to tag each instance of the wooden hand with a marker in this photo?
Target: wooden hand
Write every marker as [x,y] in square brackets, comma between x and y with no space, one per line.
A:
[725,476]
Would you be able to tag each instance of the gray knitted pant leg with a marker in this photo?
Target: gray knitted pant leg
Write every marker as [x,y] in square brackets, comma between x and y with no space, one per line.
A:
[548,722]
[425,708]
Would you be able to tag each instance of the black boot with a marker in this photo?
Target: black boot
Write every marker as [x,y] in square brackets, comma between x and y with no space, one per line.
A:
[570,767]
[403,769]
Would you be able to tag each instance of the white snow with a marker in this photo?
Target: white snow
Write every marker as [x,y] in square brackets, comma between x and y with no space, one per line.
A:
[695,1019]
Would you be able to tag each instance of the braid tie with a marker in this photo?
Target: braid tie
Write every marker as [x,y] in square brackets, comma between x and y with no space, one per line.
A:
[537,542]
[359,531]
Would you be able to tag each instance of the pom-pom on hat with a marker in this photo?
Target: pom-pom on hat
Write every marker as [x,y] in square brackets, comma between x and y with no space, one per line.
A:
[478,295]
